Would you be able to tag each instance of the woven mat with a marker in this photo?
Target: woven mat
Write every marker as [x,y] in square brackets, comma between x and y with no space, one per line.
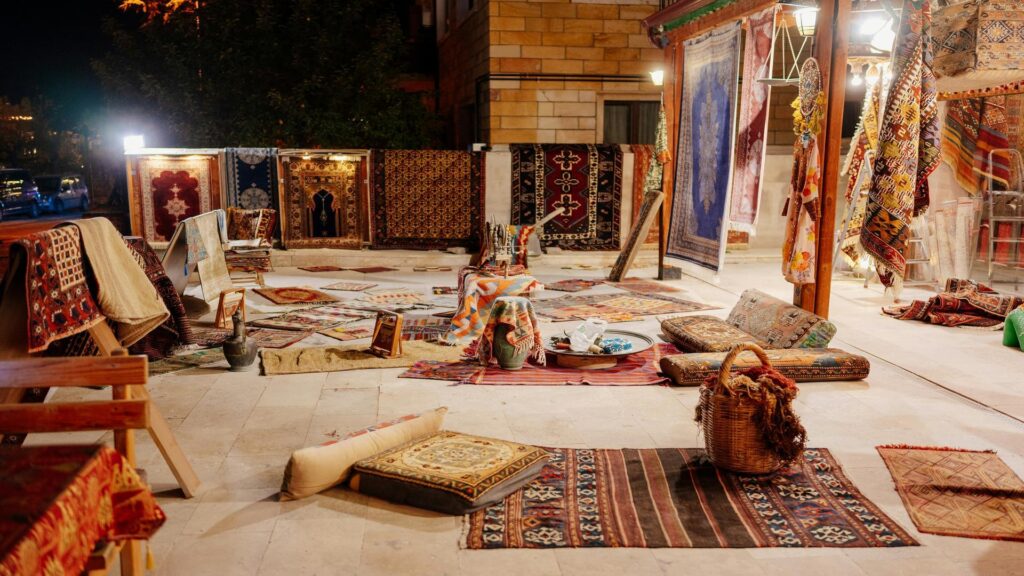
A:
[294,295]
[674,498]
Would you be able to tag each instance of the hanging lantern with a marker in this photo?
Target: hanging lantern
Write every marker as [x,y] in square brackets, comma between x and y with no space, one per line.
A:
[789,49]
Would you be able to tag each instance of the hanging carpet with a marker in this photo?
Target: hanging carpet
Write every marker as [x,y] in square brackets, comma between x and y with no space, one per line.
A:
[858,169]
[705,150]
[427,199]
[251,178]
[643,157]
[585,180]
[171,190]
[321,203]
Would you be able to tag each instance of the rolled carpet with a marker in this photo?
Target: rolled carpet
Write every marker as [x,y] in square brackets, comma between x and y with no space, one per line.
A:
[339,358]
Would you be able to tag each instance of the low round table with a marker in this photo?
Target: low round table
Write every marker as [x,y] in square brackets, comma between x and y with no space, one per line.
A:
[566,358]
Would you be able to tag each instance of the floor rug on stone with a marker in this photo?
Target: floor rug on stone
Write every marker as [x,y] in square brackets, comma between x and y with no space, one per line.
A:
[643,286]
[313,319]
[427,199]
[295,295]
[424,327]
[572,285]
[348,357]
[698,226]
[674,498]
[346,333]
[958,492]
[350,286]
[322,204]
[320,268]
[186,361]
[389,296]
[372,269]
[635,370]
[585,180]
[572,307]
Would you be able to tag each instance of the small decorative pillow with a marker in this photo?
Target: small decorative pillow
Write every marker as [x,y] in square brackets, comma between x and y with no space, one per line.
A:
[449,472]
[706,334]
[317,468]
[780,324]
[800,364]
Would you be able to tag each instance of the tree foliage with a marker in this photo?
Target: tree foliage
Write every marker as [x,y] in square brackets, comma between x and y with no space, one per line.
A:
[292,73]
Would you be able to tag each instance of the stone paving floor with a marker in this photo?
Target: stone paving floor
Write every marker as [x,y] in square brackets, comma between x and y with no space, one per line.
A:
[929,385]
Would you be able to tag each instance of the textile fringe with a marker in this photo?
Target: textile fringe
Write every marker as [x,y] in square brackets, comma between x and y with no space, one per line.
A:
[934,448]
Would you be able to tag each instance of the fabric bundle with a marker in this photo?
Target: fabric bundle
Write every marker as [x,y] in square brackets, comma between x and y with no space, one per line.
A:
[962,303]
[478,289]
[698,228]
[800,249]
[246,224]
[176,331]
[909,147]
[523,331]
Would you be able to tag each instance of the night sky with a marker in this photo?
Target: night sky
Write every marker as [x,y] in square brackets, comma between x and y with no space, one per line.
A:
[47,48]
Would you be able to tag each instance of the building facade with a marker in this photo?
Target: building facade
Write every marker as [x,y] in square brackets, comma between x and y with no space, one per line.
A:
[565,71]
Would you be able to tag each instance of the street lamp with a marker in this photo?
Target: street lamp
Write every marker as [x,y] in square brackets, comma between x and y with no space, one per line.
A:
[134,143]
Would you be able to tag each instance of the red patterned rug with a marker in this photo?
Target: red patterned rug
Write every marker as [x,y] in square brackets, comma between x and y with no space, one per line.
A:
[293,295]
[674,498]
[635,370]
[585,180]
[173,189]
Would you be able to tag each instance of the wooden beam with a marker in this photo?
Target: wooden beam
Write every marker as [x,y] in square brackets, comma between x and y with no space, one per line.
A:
[74,417]
[833,39]
[73,371]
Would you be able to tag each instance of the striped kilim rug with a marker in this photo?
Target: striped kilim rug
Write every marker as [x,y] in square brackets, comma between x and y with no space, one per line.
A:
[673,498]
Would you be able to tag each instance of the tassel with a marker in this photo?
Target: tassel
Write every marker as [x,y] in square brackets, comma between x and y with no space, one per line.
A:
[150,561]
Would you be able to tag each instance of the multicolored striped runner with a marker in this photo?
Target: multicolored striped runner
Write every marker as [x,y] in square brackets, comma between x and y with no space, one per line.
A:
[674,498]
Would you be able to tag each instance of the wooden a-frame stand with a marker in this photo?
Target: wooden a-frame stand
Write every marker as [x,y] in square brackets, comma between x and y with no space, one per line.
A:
[158,428]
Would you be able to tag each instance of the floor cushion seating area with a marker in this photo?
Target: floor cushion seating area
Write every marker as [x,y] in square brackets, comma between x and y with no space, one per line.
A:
[317,468]
[757,318]
[800,364]
[449,472]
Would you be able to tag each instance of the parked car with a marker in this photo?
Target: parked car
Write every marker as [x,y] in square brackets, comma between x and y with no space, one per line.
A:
[58,192]
[18,193]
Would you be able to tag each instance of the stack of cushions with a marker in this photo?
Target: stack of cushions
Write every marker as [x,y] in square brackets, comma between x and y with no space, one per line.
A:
[449,472]
[410,461]
[314,469]
[800,364]
[757,318]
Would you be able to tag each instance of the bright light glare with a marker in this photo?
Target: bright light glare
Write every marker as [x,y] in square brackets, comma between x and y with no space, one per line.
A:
[883,40]
[871,25]
[134,142]
[856,80]
[657,77]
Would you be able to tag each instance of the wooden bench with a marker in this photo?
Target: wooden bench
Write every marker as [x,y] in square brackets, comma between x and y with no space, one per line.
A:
[129,409]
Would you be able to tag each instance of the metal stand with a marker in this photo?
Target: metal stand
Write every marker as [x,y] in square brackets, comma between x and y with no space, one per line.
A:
[1005,207]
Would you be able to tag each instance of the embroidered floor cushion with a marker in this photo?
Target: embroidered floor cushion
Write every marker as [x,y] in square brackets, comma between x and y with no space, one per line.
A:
[706,334]
[317,468]
[779,323]
[449,472]
[800,364]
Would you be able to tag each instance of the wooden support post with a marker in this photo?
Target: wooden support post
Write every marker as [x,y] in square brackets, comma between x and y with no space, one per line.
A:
[831,47]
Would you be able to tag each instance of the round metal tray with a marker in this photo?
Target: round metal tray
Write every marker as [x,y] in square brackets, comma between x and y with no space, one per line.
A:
[640,343]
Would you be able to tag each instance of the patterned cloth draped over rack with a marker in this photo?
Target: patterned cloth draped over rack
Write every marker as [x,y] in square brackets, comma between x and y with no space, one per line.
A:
[975,127]
[478,289]
[322,202]
[705,150]
[523,331]
[799,251]
[251,178]
[58,502]
[909,149]
[978,44]
[427,199]
[176,331]
[583,179]
[168,189]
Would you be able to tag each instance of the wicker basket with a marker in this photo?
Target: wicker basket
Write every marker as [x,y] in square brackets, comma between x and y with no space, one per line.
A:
[731,435]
